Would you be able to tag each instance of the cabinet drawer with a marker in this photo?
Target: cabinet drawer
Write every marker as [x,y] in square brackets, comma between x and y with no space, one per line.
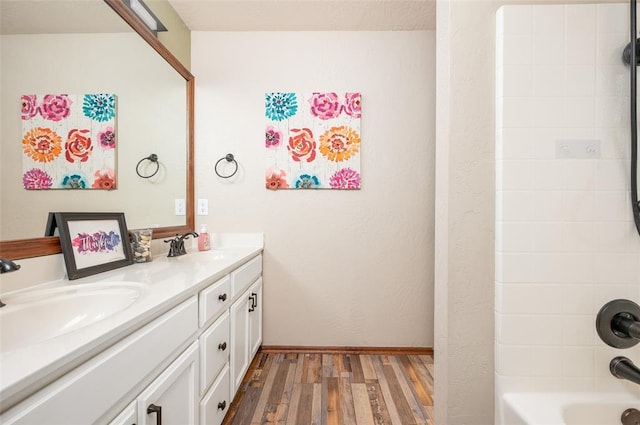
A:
[214,299]
[108,375]
[215,404]
[245,275]
[214,350]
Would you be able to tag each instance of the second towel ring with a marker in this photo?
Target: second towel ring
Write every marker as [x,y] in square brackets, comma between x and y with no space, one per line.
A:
[153,158]
[229,158]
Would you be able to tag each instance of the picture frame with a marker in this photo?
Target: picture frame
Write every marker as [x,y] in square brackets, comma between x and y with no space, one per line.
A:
[51,228]
[93,242]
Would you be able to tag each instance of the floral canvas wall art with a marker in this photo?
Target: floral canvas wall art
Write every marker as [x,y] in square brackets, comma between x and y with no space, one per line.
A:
[313,140]
[69,141]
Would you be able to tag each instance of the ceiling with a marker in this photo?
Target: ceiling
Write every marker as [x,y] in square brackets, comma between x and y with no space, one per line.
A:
[306,15]
[66,16]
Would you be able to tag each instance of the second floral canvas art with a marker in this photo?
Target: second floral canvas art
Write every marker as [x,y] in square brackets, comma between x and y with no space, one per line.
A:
[68,141]
[313,140]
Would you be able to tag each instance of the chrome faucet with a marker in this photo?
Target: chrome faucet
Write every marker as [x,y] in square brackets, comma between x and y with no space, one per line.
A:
[176,245]
[7,266]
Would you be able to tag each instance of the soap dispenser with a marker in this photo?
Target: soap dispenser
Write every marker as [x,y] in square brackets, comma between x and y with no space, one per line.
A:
[204,241]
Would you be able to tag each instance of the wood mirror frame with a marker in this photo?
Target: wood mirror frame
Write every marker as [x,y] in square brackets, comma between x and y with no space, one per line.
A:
[36,247]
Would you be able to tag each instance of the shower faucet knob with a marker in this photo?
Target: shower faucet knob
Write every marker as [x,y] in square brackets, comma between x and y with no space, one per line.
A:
[618,323]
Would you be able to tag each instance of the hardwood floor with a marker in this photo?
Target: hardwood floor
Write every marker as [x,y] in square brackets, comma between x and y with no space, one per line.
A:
[335,389]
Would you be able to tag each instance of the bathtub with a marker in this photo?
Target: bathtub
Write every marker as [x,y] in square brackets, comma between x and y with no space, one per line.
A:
[567,408]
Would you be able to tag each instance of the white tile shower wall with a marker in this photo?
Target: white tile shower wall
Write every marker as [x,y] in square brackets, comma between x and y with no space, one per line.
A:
[565,241]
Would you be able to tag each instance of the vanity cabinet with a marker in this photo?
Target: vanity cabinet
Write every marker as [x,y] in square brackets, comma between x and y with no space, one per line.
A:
[246,332]
[183,367]
[90,392]
[172,399]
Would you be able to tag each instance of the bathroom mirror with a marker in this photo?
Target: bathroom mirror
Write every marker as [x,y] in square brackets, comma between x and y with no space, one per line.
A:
[151,119]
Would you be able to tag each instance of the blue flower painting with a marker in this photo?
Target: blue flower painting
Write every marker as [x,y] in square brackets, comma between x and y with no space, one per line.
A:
[99,107]
[74,181]
[307,181]
[280,106]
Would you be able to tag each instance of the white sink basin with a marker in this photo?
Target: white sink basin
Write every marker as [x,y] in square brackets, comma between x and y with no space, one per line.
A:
[38,315]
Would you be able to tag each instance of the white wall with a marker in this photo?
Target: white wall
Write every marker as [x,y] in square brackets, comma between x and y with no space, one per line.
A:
[566,243]
[464,373]
[343,268]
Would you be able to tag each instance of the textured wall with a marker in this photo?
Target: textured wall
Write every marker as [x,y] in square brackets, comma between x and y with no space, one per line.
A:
[465,208]
[340,267]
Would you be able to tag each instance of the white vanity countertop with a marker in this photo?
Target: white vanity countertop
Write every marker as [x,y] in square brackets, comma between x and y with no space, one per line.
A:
[168,282]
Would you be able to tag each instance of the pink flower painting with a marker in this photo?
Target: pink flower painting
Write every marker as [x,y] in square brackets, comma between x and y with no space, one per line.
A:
[346,178]
[29,106]
[325,105]
[351,105]
[55,107]
[107,138]
[273,137]
[36,179]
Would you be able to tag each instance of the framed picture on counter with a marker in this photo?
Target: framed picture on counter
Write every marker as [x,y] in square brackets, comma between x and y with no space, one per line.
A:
[93,242]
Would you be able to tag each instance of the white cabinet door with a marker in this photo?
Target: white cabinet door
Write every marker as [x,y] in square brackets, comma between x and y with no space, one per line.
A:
[239,355]
[172,398]
[129,416]
[255,318]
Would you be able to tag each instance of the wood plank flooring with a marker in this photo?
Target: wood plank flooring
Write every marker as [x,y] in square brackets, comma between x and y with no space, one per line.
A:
[335,389]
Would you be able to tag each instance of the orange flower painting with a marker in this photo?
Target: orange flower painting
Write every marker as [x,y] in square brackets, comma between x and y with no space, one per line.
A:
[42,144]
[339,143]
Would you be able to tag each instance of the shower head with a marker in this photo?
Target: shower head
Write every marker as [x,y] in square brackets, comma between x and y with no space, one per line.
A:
[626,53]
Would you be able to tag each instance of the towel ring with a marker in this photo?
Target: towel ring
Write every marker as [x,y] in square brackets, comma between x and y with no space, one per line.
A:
[153,158]
[229,158]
